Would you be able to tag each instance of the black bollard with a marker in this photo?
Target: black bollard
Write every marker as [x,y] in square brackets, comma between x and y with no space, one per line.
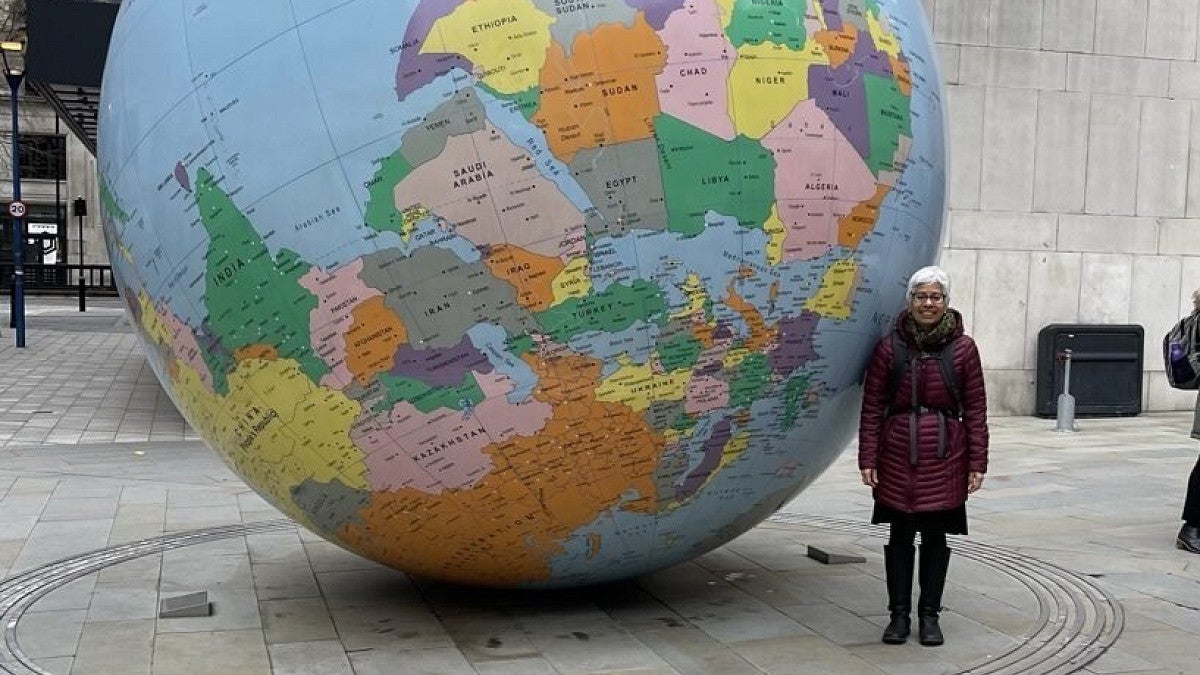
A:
[79,206]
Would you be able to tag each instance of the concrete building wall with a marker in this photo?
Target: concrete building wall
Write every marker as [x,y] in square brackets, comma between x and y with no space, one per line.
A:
[82,182]
[1074,177]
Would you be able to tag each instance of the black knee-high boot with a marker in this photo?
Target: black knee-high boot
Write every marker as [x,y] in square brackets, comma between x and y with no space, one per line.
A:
[935,560]
[898,564]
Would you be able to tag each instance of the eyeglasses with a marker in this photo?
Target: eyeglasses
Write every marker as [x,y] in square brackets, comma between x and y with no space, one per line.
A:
[922,298]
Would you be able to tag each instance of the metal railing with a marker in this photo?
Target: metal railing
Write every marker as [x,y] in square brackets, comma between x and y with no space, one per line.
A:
[61,279]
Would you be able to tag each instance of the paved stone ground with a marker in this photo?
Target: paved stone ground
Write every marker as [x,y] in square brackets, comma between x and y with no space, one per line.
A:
[1070,566]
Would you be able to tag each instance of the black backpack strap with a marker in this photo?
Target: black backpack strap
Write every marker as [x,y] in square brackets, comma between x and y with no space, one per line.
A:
[899,364]
[946,363]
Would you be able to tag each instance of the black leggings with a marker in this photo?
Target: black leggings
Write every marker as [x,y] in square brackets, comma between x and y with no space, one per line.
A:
[1191,505]
[903,532]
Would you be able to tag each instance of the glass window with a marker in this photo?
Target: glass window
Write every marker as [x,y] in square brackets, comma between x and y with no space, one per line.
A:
[43,156]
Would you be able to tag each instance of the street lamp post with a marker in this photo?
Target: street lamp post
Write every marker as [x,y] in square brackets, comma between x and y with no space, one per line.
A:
[80,207]
[14,73]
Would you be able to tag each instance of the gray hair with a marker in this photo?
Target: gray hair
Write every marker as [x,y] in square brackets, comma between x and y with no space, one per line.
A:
[931,275]
[1196,298]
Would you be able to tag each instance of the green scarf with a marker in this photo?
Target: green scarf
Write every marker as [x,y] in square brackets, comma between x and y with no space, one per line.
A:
[932,339]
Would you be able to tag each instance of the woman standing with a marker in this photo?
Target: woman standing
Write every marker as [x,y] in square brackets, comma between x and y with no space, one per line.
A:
[923,446]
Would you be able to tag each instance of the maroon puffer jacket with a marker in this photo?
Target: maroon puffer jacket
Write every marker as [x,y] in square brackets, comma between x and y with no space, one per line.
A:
[936,482]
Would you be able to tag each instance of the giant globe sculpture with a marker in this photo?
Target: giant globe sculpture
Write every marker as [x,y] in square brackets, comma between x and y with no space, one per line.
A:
[520,292]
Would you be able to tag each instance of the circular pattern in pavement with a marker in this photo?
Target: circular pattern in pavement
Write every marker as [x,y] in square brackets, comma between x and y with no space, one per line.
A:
[19,592]
[1076,619]
[1076,622]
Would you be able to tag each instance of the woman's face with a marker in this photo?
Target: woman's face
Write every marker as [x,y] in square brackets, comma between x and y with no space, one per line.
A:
[927,304]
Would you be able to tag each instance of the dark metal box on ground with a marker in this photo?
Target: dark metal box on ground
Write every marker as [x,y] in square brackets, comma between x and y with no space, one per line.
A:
[1106,368]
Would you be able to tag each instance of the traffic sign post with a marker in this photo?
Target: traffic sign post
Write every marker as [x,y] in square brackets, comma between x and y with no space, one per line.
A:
[16,209]
[14,74]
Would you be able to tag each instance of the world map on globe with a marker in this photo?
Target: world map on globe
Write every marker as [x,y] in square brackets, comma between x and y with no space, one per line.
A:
[520,292]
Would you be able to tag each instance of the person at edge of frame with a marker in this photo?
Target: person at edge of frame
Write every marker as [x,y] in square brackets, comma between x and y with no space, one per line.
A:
[923,446]
[1188,538]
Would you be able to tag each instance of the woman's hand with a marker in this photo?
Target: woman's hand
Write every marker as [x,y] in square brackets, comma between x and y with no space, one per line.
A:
[868,477]
[974,481]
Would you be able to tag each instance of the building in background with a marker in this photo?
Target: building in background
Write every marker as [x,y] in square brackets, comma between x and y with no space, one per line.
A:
[1075,175]
[56,167]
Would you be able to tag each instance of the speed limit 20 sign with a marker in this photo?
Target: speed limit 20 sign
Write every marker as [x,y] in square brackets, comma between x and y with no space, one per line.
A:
[16,209]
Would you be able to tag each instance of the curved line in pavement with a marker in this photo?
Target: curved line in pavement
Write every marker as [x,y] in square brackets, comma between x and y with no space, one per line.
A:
[18,593]
[1077,619]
